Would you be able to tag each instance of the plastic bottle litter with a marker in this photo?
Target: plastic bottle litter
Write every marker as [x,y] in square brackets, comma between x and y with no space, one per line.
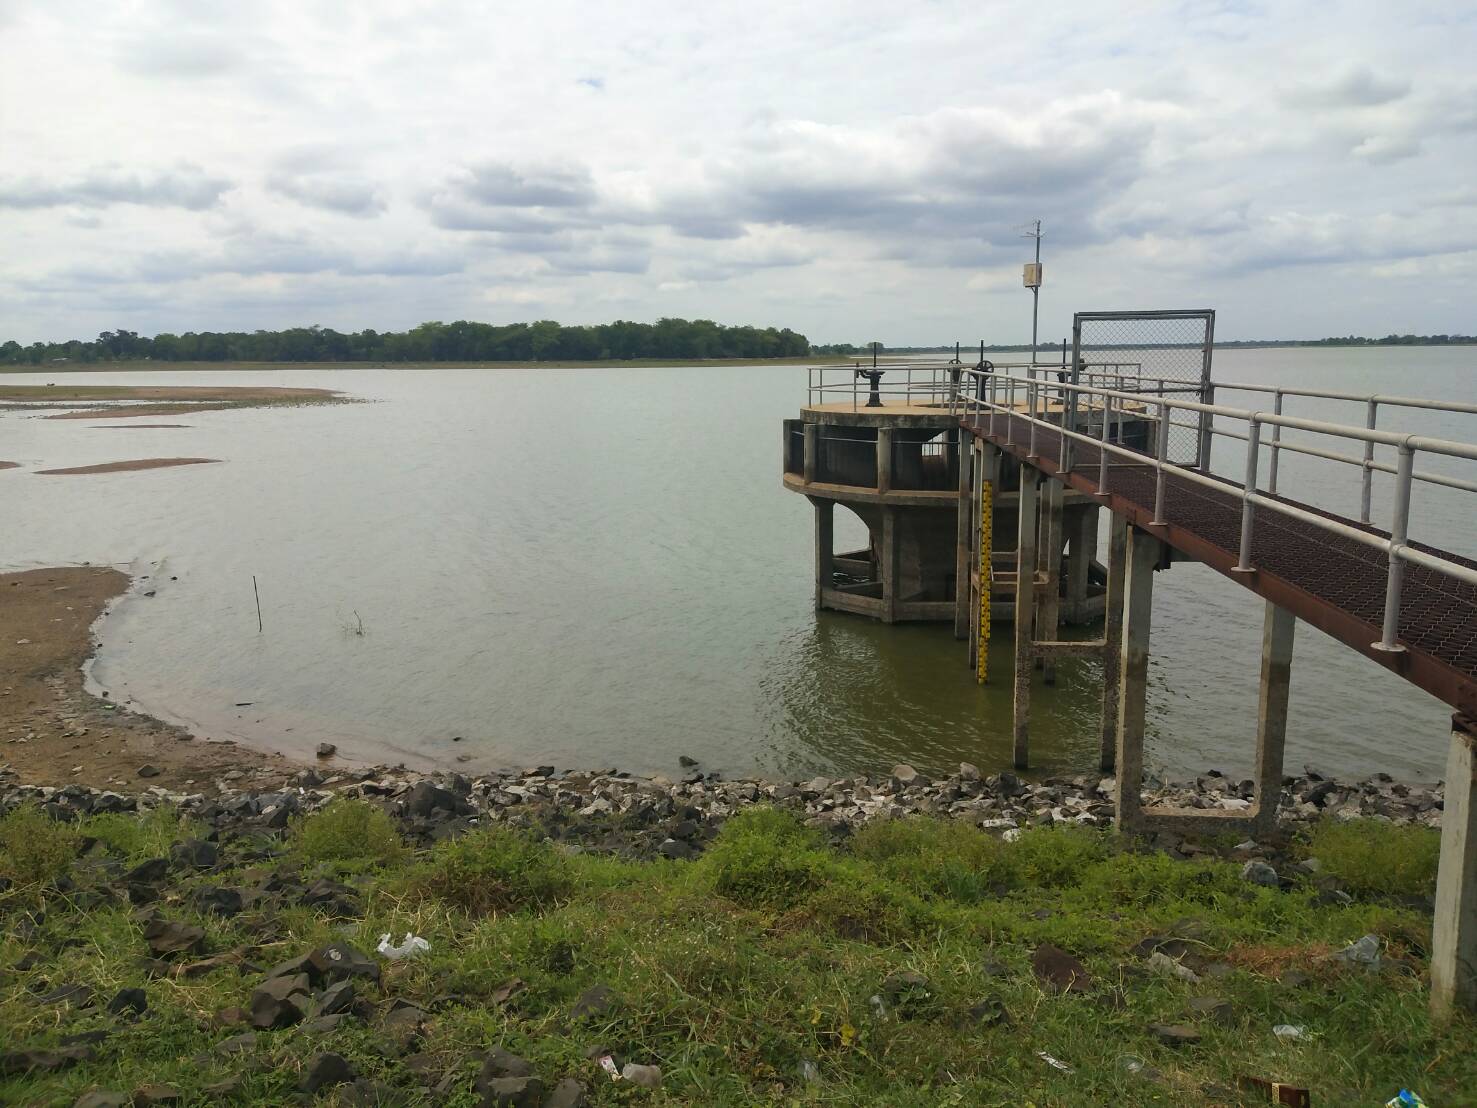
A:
[1054,1063]
[879,1006]
[1290,1033]
[409,947]
[1406,1099]
[811,1073]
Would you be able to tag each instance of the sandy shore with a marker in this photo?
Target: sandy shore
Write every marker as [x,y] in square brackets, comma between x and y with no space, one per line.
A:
[53,732]
[132,463]
[78,401]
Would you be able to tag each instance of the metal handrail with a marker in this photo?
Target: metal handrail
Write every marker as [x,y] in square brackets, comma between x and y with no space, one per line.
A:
[986,401]
[1372,403]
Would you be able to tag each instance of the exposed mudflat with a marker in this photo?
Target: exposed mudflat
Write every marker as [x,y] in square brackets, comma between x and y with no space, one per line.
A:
[52,731]
[126,465]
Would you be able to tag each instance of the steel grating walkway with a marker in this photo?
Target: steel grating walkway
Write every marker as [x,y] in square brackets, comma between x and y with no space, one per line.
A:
[1333,582]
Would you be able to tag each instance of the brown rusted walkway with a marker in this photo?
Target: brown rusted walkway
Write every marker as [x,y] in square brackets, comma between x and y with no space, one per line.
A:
[1330,581]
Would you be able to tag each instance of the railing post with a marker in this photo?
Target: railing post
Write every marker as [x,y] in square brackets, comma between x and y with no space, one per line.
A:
[1276,443]
[1102,461]
[1203,446]
[1398,530]
[1367,483]
[1031,391]
[1253,448]
[1163,453]
[884,459]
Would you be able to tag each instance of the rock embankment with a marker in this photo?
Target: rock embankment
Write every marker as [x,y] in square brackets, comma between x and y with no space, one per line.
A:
[623,812]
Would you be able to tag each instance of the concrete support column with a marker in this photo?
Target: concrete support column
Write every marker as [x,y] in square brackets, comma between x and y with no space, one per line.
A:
[1454,929]
[1278,626]
[884,459]
[965,537]
[1082,533]
[1113,639]
[889,565]
[825,529]
[1025,604]
[1049,612]
[812,450]
[1133,676]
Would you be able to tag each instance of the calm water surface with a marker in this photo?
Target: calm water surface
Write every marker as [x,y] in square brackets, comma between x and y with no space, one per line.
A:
[600,567]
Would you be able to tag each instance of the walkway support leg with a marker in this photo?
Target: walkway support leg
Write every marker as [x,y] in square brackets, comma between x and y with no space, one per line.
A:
[1454,930]
[964,546]
[825,529]
[1025,604]
[1133,680]
[1082,531]
[889,565]
[1049,612]
[1113,639]
[1271,719]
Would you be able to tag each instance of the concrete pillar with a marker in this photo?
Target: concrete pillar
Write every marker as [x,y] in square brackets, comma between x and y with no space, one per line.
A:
[1133,676]
[884,459]
[1025,604]
[1271,718]
[1454,929]
[1112,638]
[1049,612]
[812,450]
[825,529]
[1082,532]
[889,565]
[964,546]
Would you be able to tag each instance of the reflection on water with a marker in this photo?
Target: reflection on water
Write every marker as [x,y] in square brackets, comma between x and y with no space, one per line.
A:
[601,568]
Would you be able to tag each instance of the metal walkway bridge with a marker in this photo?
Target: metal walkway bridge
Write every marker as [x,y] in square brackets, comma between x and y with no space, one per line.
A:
[1186,478]
[1408,605]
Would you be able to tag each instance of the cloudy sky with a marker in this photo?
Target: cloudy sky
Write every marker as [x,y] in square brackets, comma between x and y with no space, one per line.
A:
[855,170]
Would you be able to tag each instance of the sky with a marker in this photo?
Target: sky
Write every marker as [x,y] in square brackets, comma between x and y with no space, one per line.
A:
[857,171]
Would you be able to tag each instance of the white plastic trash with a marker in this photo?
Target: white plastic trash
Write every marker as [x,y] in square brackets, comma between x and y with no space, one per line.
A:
[409,947]
[1290,1033]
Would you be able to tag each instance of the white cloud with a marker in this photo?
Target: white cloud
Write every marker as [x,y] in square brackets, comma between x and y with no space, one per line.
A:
[846,170]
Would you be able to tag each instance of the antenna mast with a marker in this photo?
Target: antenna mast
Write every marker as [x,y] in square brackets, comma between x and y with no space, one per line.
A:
[1032,281]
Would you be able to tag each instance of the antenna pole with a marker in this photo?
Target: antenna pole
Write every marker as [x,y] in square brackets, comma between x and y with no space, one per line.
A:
[1035,291]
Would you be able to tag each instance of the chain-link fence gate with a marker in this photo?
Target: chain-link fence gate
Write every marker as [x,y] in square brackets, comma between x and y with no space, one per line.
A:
[1159,353]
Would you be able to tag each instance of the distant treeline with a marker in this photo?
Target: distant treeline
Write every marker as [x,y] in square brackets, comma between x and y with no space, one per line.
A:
[462,341]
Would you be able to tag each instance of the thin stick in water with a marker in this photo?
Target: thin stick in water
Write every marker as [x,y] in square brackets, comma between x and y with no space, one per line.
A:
[258,604]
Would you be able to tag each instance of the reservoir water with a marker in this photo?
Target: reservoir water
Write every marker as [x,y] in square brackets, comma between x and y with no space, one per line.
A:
[599,567]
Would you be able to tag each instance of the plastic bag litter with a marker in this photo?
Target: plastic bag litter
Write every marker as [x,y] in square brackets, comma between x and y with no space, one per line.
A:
[1290,1033]
[1406,1099]
[1011,834]
[1054,1063]
[409,947]
[1363,952]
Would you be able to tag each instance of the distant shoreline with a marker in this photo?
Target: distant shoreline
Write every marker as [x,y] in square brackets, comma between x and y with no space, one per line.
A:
[611,363]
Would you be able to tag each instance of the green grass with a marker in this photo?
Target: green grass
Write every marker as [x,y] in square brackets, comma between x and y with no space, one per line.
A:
[349,834]
[138,837]
[737,971]
[33,848]
[1373,858]
[493,869]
